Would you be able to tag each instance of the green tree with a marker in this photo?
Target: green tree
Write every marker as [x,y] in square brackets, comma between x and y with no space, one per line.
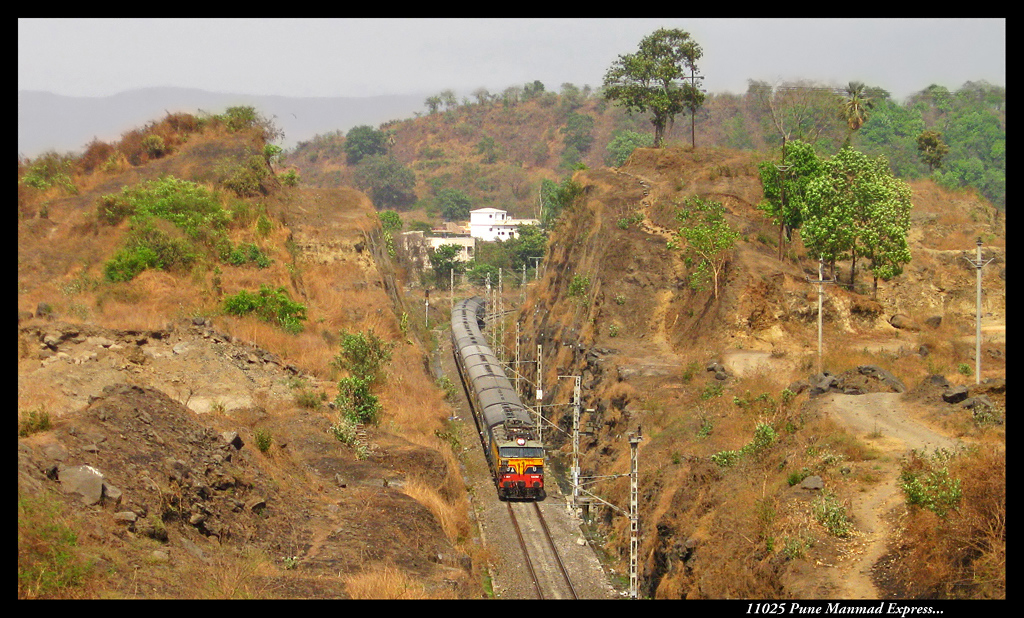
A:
[444,260]
[784,186]
[390,183]
[454,204]
[854,109]
[577,132]
[623,143]
[364,141]
[932,148]
[655,78]
[390,221]
[855,208]
[432,102]
[705,237]
[555,198]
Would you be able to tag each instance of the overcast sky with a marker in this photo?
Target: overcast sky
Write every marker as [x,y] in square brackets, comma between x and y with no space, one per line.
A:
[365,57]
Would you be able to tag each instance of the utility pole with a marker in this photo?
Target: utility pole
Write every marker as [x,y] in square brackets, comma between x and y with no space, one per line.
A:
[693,110]
[426,308]
[821,292]
[576,444]
[634,515]
[517,359]
[540,393]
[500,326]
[977,264]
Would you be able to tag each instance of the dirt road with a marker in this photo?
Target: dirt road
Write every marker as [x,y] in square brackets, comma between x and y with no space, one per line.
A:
[887,421]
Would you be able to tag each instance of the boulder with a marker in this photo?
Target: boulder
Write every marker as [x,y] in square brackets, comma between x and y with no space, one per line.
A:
[903,322]
[955,394]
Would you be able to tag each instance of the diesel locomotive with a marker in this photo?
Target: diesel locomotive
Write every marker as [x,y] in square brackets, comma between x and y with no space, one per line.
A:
[507,427]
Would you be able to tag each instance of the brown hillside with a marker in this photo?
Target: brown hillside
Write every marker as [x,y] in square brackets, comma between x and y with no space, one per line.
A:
[645,342]
[147,380]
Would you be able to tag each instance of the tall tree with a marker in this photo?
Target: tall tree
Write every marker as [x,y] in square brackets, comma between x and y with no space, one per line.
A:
[798,110]
[706,239]
[854,109]
[784,186]
[856,208]
[655,79]
[364,141]
[932,148]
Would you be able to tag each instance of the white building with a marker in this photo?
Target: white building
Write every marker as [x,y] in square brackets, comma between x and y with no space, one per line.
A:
[495,224]
[418,246]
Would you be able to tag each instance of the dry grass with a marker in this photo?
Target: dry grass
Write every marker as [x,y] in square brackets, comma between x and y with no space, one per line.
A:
[961,555]
[385,581]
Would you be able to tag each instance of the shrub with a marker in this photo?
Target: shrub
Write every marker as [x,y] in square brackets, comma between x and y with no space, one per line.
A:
[832,514]
[269,305]
[34,421]
[926,483]
[154,145]
[356,402]
[363,355]
[263,440]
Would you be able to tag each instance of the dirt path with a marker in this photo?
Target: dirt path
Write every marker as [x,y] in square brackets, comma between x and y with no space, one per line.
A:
[887,422]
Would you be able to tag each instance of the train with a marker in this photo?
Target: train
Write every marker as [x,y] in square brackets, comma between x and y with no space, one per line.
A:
[507,428]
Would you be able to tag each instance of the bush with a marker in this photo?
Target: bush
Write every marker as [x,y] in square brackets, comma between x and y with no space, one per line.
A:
[363,355]
[270,306]
[356,402]
[832,514]
[926,483]
[263,440]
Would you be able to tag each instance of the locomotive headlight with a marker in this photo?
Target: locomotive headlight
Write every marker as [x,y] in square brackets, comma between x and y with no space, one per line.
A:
[521,441]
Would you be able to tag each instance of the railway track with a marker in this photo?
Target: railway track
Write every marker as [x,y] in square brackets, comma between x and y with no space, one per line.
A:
[544,566]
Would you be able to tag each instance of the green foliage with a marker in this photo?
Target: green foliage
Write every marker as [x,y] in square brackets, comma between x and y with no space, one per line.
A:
[444,260]
[390,221]
[357,402]
[49,560]
[364,355]
[240,117]
[623,143]
[269,305]
[855,207]
[389,183]
[248,253]
[932,149]
[50,169]
[802,166]
[479,273]
[263,439]
[578,132]
[454,204]
[188,205]
[557,197]
[831,514]
[709,239]
[32,422]
[364,141]
[154,145]
[147,246]
[654,79]
[926,482]
[764,437]
[489,149]
[579,287]
[290,178]
[245,179]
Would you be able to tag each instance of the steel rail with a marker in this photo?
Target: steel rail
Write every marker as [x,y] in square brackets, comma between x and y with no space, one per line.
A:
[526,552]
[554,550]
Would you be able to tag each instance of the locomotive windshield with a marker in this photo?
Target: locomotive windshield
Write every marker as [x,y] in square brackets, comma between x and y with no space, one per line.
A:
[521,452]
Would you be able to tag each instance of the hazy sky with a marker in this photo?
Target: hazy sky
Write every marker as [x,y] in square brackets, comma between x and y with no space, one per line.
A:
[364,57]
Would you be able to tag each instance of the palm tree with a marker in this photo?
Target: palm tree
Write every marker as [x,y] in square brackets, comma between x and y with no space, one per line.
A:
[854,110]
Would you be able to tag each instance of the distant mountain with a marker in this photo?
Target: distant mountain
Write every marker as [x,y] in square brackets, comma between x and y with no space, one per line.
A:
[49,121]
